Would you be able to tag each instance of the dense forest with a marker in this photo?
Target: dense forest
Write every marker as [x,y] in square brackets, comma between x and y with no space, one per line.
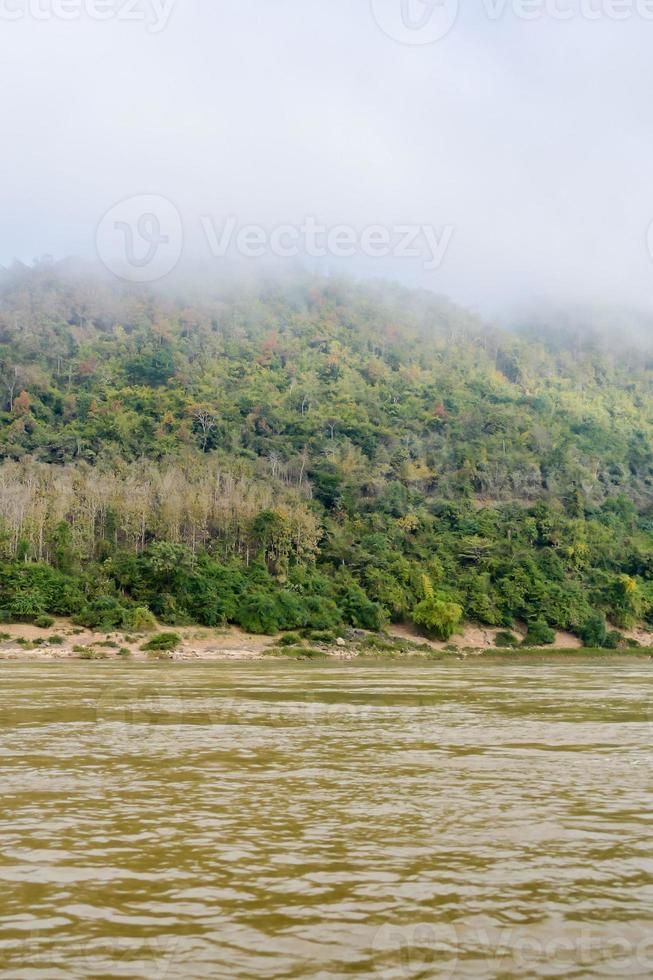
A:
[313,452]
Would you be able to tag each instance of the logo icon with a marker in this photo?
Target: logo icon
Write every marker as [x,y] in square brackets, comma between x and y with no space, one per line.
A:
[415,21]
[140,239]
[423,949]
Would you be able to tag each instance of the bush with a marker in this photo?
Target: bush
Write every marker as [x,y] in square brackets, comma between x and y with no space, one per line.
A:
[162,642]
[614,640]
[321,636]
[291,611]
[55,640]
[323,613]
[437,616]
[290,639]
[259,613]
[87,653]
[593,631]
[142,619]
[539,634]
[506,639]
[44,622]
[105,615]
[360,611]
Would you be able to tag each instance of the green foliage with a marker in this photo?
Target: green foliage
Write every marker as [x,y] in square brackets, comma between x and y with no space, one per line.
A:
[162,642]
[437,616]
[539,634]
[593,631]
[259,613]
[322,612]
[321,636]
[142,620]
[104,614]
[360,611]
[44,622]
[505,639]
[614,640]
[290,640]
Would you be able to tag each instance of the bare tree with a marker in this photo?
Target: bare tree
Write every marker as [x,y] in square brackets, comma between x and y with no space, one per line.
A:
[207,423]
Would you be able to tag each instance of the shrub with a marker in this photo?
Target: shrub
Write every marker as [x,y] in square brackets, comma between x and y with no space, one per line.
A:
[323,613]
[321,636]
[290,639]
[44,622]
[56,640]
[25,605]
[162,642]
[384,644]
[506,639]
[593,631]
[360,611]
[104,615]
[614,640]
[142,619]
[291,610]
[539,634]
[259,613]
[437,616]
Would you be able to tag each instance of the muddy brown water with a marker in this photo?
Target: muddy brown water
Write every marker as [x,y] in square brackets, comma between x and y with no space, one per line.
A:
[302,820]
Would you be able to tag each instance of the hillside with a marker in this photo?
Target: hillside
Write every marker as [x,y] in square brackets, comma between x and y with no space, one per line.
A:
[312,453]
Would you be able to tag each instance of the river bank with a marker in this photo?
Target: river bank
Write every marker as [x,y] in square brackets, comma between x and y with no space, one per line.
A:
[65,641]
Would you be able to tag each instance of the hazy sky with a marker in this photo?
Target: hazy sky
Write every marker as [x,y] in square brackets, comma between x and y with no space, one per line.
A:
[524,147]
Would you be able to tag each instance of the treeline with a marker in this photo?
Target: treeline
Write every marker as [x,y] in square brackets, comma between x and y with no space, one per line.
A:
[311,453]
[126,506]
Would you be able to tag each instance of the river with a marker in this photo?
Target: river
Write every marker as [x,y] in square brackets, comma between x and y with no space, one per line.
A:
[305,820]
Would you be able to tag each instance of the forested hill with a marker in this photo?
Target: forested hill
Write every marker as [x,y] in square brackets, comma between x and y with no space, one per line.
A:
[312,452]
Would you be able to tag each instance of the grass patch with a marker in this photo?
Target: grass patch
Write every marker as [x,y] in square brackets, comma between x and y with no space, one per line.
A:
[297,652]
[162,642]
[580,653]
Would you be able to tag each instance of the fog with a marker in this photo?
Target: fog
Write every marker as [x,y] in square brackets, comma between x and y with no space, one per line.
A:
[503,163]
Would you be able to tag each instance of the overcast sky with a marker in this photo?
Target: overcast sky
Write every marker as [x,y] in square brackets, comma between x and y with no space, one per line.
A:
[524,146]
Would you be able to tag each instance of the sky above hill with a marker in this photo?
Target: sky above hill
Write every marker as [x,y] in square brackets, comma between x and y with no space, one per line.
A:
[499,152]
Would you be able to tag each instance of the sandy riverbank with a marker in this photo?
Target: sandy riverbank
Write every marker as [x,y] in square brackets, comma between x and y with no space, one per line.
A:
[64,641]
